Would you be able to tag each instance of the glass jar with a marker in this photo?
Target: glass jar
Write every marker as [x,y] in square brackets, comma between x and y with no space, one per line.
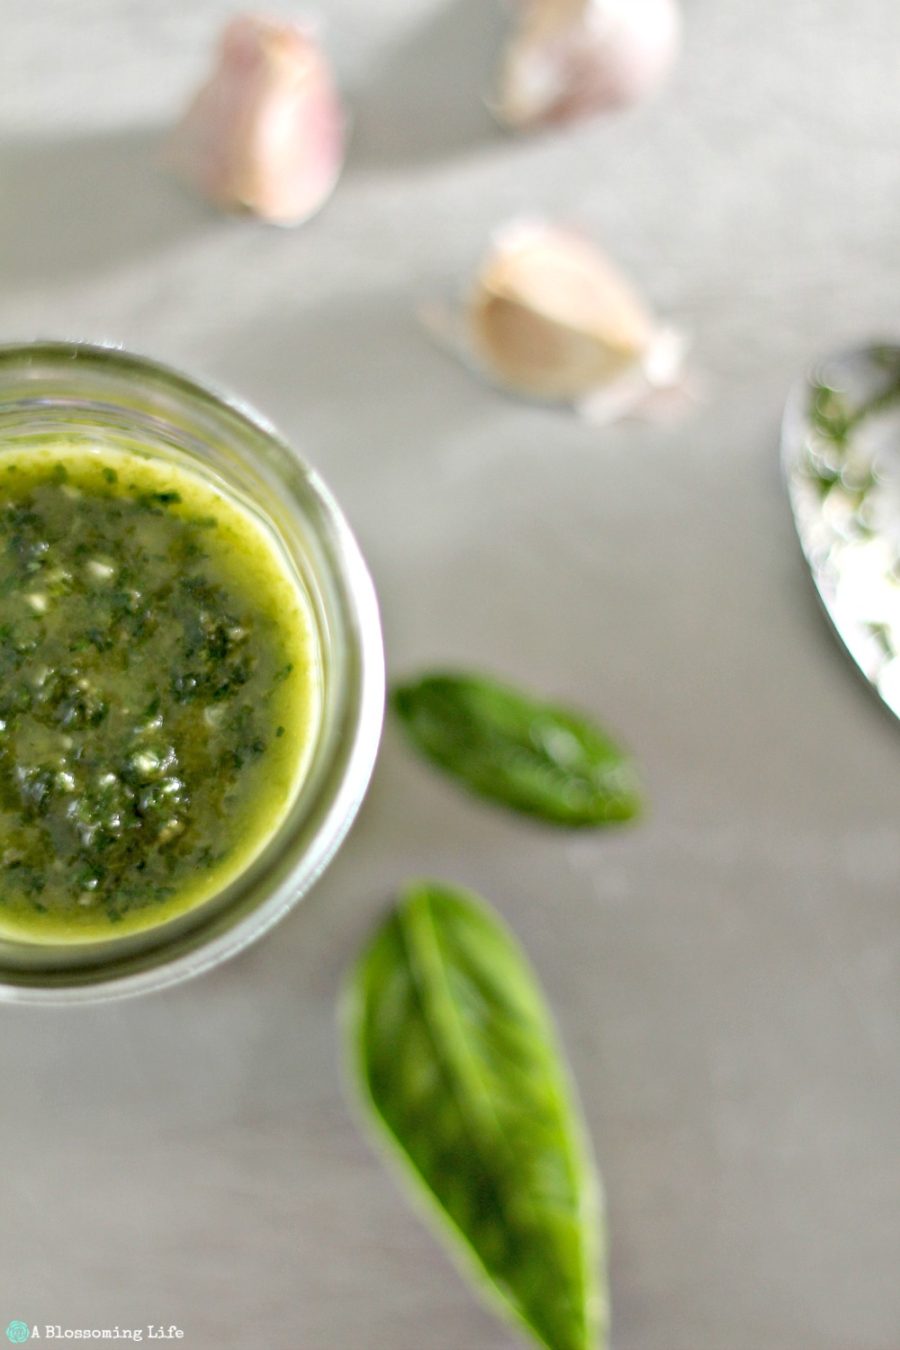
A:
[109,397]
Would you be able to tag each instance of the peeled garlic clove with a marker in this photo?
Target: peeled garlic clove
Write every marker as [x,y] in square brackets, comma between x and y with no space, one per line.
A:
[266,132]
[570,58]
[550,317]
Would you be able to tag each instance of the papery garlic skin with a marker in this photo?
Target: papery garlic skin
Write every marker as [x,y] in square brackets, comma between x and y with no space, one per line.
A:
[568,59]
[550,317]
[266,132]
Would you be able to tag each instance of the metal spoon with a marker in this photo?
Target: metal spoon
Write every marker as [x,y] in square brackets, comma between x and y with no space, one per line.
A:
[840,448]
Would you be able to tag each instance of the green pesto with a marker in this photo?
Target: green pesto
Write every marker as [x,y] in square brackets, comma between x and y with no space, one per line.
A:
[159,691]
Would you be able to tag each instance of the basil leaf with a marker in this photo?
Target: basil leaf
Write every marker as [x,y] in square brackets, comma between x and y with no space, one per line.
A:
[459,1066]
[506,745]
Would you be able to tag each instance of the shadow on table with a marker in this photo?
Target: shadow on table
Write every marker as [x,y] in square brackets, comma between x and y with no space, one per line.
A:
[426,102]
[355,381]
[81,205]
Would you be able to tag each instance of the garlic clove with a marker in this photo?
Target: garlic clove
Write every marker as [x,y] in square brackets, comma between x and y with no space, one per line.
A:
[266,132]
[570,58]
[550,317]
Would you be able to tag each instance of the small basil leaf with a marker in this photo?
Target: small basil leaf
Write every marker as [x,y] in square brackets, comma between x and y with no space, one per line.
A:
[531,756]
[459,1066]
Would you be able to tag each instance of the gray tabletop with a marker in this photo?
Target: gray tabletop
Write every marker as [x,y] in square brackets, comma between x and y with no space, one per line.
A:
[726,974]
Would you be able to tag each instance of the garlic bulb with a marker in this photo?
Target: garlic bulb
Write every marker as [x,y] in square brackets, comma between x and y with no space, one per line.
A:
[266,131]
[570,58]
[550,317]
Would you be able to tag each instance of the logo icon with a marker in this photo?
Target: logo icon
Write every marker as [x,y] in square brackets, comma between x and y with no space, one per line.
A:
[17,1332]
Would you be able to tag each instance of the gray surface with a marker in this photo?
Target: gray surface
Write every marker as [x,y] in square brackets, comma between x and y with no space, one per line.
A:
[726,975]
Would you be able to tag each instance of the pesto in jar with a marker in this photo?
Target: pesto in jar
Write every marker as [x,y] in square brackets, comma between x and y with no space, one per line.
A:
[160,691]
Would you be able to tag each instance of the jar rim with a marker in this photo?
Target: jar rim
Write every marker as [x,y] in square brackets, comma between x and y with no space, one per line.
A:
[349,758]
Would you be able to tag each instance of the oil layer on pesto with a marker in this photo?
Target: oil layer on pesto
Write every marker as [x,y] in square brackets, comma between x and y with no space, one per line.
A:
[158,691]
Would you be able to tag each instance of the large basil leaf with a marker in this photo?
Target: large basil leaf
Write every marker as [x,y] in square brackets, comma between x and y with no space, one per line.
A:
[529,755]
[458,1062]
